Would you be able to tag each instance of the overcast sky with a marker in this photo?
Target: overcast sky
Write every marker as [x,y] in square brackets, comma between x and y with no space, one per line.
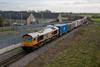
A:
[92,6]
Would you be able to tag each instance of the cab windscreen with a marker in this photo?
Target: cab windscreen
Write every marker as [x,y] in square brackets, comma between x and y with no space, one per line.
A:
[27,38]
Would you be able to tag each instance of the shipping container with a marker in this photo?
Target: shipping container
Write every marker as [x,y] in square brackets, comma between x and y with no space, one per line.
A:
[63,28]
[74,24]
[70,26]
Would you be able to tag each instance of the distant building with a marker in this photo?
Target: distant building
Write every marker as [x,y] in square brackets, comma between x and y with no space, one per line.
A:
[17,17]
[45,17]
[31,19]
[62,17]
[23,17]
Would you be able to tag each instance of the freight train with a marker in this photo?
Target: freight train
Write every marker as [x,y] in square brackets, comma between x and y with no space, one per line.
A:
[36,39]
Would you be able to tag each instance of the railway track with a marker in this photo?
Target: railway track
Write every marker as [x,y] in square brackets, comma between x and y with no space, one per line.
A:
[10,57]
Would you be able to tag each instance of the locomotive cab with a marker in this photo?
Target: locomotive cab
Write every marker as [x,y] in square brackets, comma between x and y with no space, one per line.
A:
[29,41]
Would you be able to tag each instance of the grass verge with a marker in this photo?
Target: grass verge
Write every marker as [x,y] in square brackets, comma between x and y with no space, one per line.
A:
[96,20]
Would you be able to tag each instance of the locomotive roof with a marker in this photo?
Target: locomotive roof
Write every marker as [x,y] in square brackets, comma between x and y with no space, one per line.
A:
[42,32]
[34,34]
